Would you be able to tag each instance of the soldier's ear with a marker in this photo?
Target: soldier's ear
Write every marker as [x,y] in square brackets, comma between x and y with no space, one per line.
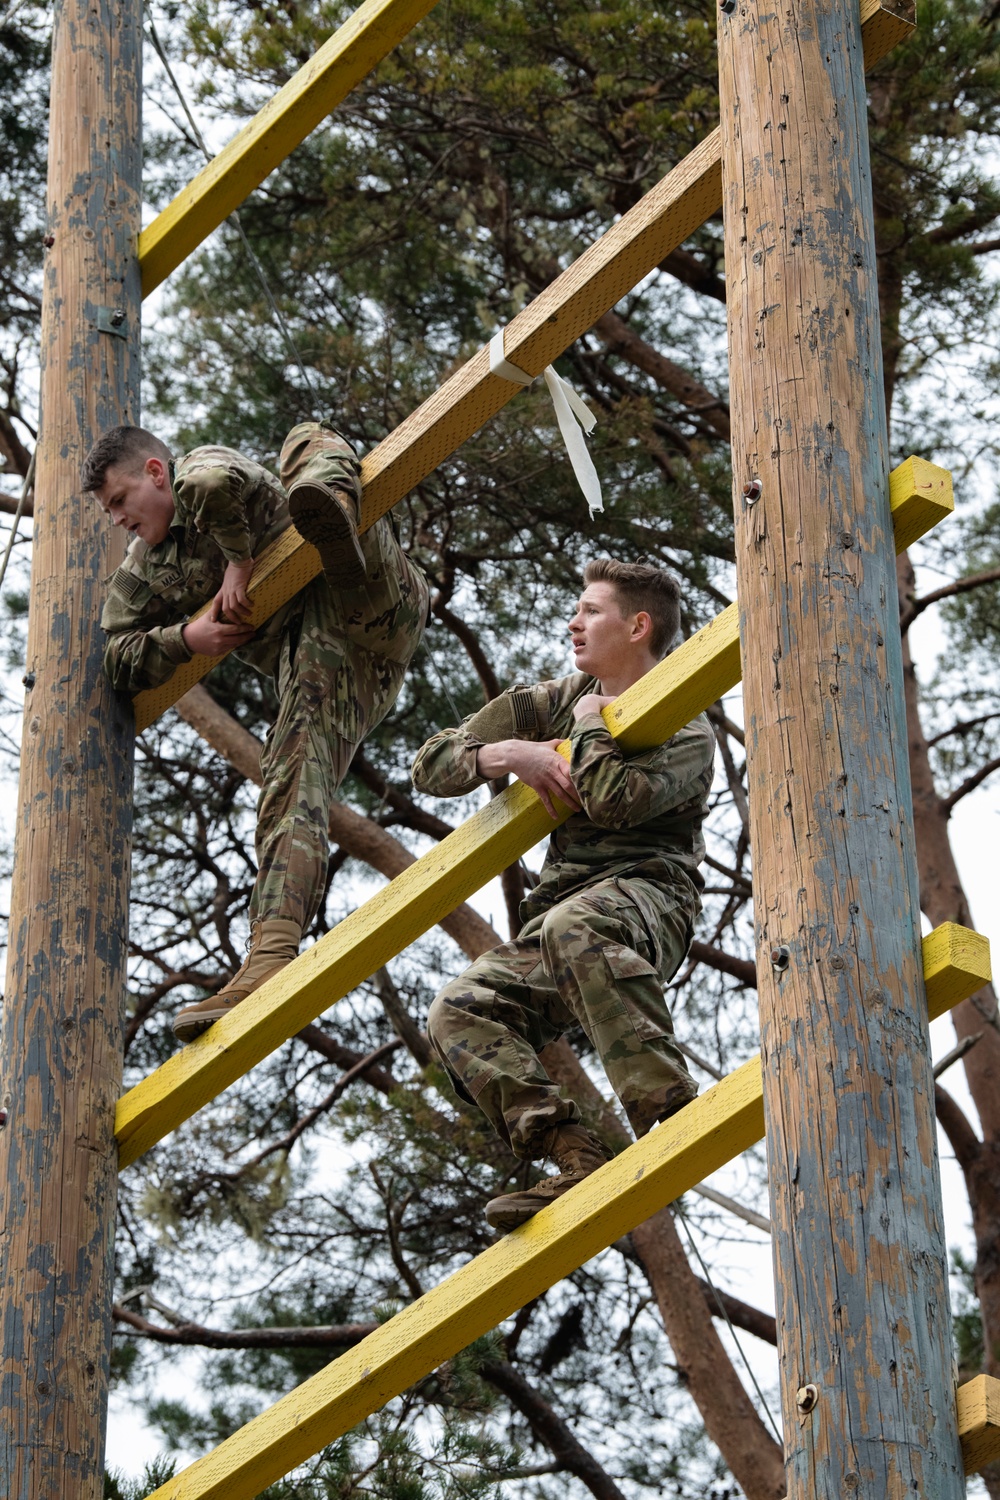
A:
[157,470]
[642,627]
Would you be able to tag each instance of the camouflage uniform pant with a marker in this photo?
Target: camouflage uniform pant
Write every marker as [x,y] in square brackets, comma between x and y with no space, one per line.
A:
[341,666]
[599,958]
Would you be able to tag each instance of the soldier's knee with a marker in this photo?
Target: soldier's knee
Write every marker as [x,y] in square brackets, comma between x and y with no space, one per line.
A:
[569,922]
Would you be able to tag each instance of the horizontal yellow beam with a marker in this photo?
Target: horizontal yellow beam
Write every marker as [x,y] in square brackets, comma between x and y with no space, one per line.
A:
[979,1422]
[375,28]
[316,89]
[719,1125]
[920,495]
[695,675]
[612,265]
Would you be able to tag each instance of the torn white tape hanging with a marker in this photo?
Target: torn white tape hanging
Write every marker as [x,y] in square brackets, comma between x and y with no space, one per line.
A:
[573,416]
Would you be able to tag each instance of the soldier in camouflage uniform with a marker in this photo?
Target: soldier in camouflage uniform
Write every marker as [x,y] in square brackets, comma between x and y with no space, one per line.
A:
[338,650]
[612,915]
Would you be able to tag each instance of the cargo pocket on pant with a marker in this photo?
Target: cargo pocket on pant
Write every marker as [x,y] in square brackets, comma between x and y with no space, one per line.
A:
[632,978]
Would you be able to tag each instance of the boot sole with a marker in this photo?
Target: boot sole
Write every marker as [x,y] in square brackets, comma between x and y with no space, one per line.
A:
[185,1029]
[322,521]
[507,1219]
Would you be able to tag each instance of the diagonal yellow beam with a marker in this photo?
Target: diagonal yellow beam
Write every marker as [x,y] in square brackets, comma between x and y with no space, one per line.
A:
[317,88]
[718,1126]
[695,675]
[252,155]
[609,268]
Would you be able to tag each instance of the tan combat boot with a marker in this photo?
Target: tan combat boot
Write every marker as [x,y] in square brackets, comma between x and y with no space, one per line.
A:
[272,945]
[575,1152]
[328,518]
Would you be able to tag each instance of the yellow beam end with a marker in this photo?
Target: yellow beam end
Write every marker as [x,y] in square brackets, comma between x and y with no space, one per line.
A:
[719,1125]
[956,965]
[920,495]
[979,1422]
[341,63]
[885,23]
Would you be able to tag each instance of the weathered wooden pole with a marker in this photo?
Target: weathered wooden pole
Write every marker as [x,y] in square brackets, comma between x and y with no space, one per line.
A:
[862,1297]
[61,1041]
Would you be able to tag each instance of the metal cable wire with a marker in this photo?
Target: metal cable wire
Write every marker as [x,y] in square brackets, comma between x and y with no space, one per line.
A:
[26,488]
[234,217]
[722,1308]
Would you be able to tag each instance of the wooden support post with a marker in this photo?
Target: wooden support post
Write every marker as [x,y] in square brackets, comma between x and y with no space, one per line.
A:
[862,1296]
[60,1054]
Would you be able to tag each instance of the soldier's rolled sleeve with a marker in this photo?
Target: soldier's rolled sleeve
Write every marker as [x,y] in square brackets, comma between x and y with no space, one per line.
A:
[212,495]
[446,765]
[138,659]
[620,791]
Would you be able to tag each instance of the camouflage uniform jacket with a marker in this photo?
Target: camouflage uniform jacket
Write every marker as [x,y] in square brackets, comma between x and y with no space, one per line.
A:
[641,814]
[226,509]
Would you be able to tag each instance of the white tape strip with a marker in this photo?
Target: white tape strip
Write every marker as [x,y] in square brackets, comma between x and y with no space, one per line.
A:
[573,416]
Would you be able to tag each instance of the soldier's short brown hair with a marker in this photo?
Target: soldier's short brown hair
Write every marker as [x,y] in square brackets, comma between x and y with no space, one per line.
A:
[120,447]
[642,586]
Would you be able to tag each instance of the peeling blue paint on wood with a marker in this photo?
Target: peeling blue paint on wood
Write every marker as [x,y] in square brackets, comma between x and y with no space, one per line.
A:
[862,1303]
[60,1049]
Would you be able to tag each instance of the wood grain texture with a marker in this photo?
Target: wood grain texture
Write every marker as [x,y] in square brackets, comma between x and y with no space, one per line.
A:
[862,1294]
[316,89]
[723,1122]
[60,1051]
[979,1422]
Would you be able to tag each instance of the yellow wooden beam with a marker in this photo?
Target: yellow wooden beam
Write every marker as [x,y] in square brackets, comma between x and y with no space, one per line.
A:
[687,681]
[979,1422]
[723,1122]
[413,902]
[920,495]
[316,89]
[314,92]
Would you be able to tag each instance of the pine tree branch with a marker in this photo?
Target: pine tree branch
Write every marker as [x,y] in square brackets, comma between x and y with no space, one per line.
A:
[551,1429]
[743,969]
[359,1070]
[962,727]
[955,1124]
[345,1057]
[332,1336]
[622,339]
[741,1314]
[695,273]
[970,783]
[916,607]
[413,816]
